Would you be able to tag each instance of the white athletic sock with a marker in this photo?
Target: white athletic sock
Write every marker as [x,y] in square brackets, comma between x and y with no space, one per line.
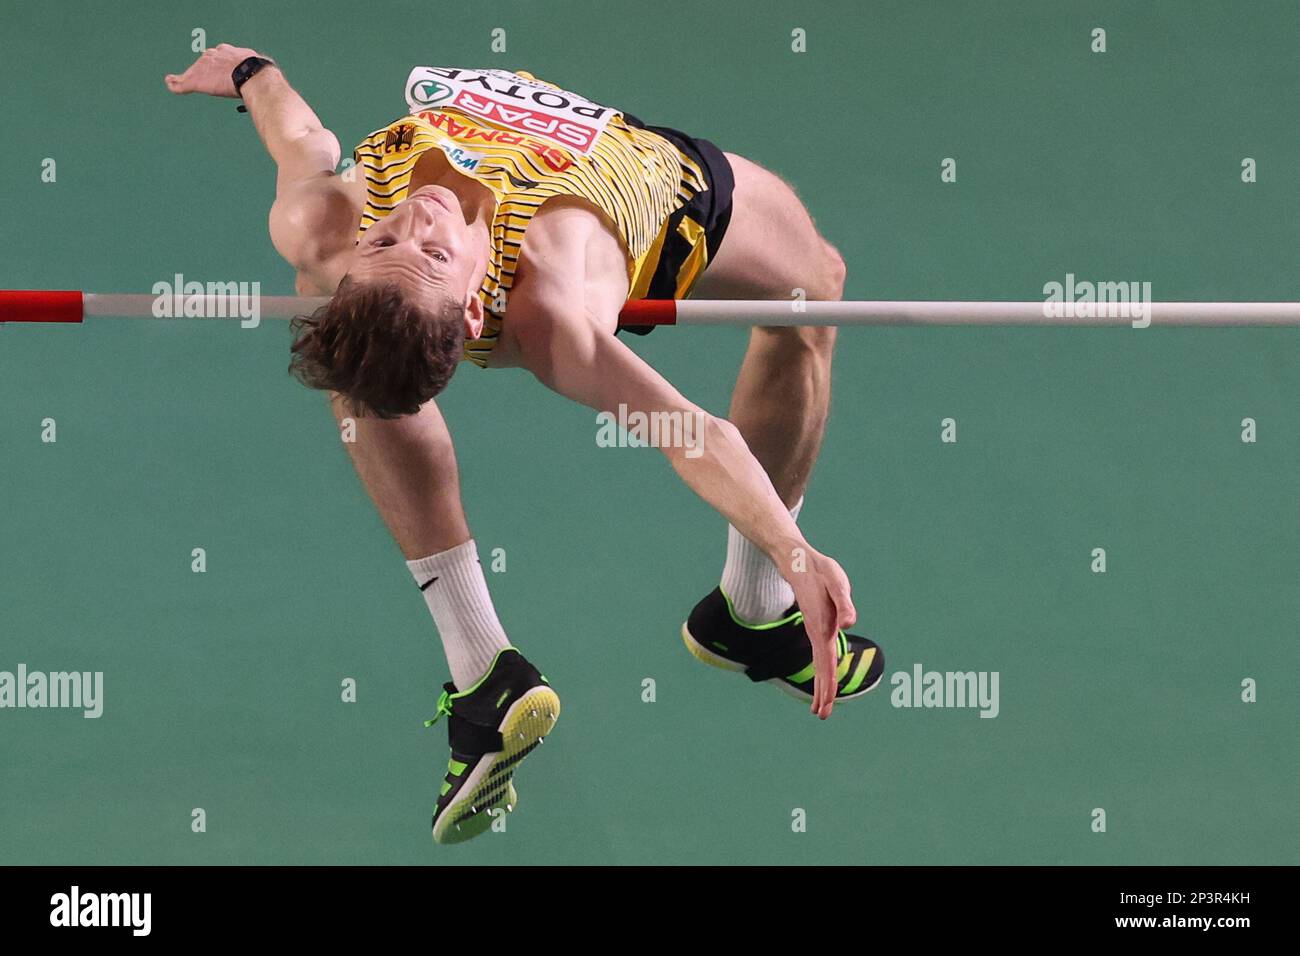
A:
[758,592]
[457,595]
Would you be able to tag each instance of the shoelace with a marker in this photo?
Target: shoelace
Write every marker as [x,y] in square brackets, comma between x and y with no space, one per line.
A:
[444,709]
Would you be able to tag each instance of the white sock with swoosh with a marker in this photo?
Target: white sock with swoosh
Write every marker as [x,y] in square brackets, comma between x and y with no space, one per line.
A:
[457,595]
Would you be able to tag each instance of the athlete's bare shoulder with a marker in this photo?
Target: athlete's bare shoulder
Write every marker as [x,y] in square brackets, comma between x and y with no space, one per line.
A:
[313,226]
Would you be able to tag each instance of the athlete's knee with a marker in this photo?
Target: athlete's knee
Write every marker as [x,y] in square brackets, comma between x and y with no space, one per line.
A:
[825,275]
[835,272]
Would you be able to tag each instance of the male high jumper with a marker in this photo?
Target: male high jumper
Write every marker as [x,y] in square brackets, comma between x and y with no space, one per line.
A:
[506,221]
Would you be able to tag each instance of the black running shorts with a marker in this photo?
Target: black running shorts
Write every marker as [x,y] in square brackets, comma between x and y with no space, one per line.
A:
[711,208]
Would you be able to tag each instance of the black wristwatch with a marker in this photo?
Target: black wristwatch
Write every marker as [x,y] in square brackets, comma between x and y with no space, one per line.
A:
[245,72]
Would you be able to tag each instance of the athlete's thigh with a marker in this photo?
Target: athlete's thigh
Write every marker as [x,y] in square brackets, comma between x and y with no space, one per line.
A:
[771,245]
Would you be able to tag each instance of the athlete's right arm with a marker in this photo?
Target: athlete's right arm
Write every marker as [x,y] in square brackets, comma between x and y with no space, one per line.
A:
[311,220]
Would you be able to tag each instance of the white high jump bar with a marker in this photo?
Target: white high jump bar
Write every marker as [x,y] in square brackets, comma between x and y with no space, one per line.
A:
[72,306]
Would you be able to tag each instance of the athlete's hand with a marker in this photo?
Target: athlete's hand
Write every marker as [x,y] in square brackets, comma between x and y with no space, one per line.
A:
[210,73]
[823,593]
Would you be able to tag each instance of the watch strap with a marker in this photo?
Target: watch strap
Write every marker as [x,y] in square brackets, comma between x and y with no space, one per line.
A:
[246,70]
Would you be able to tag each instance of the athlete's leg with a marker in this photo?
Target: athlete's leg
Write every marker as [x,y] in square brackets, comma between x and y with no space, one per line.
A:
[408,465]
[780,405]
[782,395]
[503,707]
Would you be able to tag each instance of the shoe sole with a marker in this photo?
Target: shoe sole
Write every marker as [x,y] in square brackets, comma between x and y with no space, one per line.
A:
[704,655]
[490,785]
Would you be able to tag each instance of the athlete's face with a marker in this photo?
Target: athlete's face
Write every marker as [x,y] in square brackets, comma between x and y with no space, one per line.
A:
[425,246]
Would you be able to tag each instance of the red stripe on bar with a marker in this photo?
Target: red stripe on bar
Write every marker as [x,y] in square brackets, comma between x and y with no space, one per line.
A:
[649,312]
[39,306]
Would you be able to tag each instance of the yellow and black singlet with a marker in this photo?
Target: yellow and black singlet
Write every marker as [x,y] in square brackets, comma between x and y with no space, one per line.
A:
[527,141]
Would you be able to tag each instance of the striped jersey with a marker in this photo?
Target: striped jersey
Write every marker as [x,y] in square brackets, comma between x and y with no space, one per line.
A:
[528,140]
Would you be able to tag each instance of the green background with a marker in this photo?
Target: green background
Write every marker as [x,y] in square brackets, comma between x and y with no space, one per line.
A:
[1119,691]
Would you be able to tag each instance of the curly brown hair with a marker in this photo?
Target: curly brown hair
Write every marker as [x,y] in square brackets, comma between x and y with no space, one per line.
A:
[374,345]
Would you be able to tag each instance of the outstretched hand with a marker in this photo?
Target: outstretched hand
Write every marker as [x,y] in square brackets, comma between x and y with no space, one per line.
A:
[210,73]
[823,593]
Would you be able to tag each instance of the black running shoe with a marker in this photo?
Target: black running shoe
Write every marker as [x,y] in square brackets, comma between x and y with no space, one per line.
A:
[492,727]
[778,653]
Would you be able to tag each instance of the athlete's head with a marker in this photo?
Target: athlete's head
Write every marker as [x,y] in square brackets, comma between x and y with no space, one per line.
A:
[392,335]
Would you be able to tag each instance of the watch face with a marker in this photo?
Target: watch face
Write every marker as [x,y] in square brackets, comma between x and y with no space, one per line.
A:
[247,69]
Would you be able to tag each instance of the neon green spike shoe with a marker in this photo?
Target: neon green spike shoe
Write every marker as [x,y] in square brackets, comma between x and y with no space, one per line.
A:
[492,727]
[779,652]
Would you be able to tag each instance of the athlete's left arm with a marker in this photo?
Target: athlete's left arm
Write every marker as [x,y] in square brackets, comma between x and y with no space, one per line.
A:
[578,359]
